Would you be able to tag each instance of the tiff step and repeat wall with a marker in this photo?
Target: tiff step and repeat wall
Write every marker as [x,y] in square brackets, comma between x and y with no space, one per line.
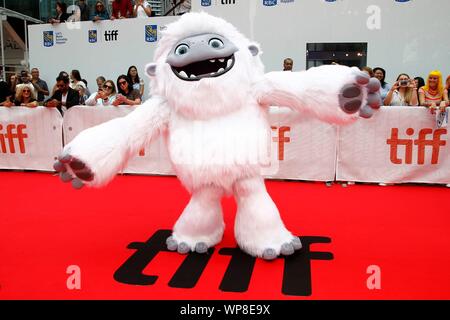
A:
[399,144]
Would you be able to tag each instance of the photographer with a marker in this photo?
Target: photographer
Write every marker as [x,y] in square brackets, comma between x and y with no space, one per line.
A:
[402,93]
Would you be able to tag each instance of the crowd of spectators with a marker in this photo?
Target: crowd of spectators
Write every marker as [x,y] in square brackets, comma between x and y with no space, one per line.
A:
[119,9]
[30,90]
[432,93]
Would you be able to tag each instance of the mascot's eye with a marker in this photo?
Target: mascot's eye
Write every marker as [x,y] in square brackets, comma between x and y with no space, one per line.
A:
[181,49]
[216,43]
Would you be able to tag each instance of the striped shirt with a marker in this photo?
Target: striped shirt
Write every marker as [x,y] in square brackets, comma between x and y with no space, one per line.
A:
[436,99]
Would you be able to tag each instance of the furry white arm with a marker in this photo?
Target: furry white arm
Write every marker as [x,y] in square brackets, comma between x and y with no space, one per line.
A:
[332,93]
[98,153]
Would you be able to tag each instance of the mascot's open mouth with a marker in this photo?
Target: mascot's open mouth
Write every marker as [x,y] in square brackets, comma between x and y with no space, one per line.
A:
[204,69]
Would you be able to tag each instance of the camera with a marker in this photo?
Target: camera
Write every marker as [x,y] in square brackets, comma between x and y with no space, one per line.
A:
[403,83]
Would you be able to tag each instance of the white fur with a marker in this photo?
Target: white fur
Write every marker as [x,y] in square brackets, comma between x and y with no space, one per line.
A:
[201,220]
[315,91]
[217,134]
[220,150]
[106,148]
[258,225]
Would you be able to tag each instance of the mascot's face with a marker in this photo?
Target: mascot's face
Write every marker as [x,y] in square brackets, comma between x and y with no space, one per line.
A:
[202,56]
[204,67]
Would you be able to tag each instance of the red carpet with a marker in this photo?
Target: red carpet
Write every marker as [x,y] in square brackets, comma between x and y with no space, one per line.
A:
[46,226]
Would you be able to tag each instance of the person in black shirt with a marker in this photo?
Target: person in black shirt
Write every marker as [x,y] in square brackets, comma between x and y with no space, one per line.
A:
[61,13]
[64,97]
[5,93]
[127,95]
[25,97]
[84,10]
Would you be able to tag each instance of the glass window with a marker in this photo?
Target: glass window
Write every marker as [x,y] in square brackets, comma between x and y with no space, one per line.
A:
[348,54]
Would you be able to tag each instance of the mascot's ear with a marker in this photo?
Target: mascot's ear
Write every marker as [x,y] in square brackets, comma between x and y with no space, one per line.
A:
[254,49]
[150,69]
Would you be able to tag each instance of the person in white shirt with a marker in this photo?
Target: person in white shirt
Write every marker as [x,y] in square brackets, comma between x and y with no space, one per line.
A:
[142,9]
[103,97]
[402,93]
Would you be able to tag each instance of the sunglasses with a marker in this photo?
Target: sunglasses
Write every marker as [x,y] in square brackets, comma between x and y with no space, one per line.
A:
[107,87]
[122,82]
[26,91]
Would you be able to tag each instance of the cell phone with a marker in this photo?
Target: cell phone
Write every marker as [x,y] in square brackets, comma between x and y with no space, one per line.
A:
[403,83]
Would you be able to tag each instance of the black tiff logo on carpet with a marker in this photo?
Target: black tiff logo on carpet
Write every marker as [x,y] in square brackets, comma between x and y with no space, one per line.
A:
[296,273]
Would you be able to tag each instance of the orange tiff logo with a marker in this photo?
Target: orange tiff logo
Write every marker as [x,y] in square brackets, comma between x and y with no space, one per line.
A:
[281,139]
[427,138]
[8,140]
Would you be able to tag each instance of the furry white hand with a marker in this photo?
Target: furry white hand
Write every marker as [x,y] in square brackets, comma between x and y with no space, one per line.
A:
[361,94]
[95,155]
[332,93]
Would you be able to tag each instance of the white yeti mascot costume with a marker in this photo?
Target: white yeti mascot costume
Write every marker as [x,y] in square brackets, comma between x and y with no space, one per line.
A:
[210,98]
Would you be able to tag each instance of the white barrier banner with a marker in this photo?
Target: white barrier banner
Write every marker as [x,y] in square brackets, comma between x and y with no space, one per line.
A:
[398,144]
[305,148]
[29,138]
[153,160]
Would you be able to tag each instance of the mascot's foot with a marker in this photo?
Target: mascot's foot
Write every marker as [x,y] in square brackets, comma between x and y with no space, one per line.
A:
[272,251]
[183,247]
[361,94]
[258,228]
[201,225]
[286,249]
